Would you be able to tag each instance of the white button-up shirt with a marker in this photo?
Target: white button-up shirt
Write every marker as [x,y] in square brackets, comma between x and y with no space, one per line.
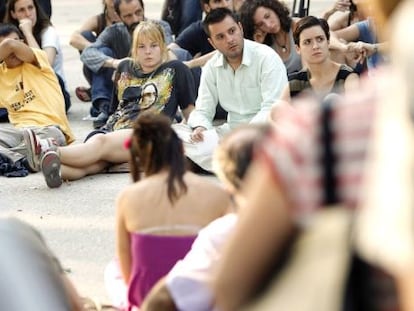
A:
[247,93]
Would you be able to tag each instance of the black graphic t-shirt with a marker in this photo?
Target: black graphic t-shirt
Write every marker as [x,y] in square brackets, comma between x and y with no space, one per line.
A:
[170,86]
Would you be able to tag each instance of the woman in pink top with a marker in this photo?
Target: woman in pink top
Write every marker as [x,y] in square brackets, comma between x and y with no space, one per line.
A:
[158,216]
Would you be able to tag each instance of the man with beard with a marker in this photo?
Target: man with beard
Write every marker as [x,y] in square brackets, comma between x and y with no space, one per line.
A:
[110,48]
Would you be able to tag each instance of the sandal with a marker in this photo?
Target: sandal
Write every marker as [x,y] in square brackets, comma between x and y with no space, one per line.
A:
[83,93]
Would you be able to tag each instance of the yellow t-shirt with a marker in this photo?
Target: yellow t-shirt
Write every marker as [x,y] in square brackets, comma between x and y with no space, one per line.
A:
[32,95]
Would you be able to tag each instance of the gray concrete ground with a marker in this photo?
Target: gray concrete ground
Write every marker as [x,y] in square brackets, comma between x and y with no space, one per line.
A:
[77,219]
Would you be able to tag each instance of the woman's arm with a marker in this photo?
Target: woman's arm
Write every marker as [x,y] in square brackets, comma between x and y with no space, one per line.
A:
[26,27]
[122,238]
[348,34]
[351,83]
[51,54]
[264,227]
[339,5]
[78,41]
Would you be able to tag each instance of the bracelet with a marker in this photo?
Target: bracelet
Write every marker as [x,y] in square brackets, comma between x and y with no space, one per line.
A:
[375,48]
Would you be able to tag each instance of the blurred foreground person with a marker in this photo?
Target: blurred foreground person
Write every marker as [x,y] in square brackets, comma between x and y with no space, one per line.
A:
[295,174]
[31,276]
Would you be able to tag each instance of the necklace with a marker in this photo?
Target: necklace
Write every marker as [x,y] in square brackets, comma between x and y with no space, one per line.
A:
[283,47]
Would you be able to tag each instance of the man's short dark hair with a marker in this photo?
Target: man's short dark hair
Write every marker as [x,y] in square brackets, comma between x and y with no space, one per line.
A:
[8,28]
[117,3]
[216,16]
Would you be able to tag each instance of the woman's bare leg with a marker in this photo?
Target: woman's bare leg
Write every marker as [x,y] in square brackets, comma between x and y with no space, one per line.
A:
[101,147]
[74,173]
[94,155]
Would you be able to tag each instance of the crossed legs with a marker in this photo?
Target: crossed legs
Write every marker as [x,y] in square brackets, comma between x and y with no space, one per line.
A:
[94,155]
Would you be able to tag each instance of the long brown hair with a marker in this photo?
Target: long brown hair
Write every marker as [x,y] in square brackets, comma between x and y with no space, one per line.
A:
[156,147]
[42,20]
[248,9]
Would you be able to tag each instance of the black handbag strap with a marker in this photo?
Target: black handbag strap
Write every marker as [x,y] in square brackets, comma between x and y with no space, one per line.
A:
[329,158]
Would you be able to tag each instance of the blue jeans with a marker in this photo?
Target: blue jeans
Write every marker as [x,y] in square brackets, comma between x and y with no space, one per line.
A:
[90,36]
[190,13]
[101,84]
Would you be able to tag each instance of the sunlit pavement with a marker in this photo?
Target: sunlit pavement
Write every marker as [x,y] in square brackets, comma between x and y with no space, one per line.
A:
[77,219]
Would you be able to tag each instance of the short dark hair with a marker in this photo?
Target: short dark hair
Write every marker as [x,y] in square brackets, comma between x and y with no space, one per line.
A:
[308,22]
[216,16]
[117,3]
[9,28]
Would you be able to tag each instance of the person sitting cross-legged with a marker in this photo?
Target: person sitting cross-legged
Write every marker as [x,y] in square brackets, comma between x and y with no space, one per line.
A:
[106,53]
[87,33]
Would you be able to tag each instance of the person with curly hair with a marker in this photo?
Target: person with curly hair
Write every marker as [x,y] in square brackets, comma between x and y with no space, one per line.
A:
[269,22]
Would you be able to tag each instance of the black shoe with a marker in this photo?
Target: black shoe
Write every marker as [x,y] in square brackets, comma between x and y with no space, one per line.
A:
[100,120]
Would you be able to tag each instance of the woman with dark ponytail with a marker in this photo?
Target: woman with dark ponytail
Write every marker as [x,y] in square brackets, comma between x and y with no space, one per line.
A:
[159,215]
[155,147]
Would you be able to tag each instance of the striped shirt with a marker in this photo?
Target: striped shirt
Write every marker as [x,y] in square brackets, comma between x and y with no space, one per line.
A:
[293,151]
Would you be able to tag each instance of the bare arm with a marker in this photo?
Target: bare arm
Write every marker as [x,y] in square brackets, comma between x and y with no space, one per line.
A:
[123,239]
[348,34]
[338,21]
[77,40]
[51,54]
[187,111]
[286,94]
[199,61]
[339,5]
[263,228]
[26,27]
[159,298]
[20,49]
[351,83]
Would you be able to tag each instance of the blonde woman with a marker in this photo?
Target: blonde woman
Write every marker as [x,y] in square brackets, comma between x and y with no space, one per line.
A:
[173,85]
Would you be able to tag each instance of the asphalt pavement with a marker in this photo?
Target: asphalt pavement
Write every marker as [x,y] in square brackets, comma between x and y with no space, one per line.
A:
[77,219]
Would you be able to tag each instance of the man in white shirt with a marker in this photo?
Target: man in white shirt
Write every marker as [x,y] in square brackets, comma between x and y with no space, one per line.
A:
[245,77]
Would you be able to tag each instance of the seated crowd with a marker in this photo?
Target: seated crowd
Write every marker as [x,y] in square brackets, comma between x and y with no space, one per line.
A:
[305,111]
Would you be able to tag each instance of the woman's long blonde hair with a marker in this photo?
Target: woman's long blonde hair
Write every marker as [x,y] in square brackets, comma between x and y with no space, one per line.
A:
[149,30]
